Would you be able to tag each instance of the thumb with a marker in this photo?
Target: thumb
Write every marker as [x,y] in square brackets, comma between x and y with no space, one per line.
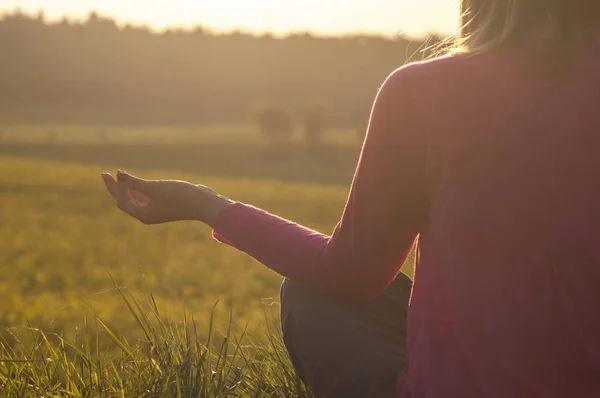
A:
[147,187]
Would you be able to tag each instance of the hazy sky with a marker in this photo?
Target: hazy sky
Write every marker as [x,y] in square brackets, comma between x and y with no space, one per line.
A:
[322,16]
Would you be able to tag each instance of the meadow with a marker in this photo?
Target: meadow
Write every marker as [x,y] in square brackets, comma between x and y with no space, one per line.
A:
[93,303]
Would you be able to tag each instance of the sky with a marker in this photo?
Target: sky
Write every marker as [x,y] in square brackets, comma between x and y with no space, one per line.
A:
[389,17]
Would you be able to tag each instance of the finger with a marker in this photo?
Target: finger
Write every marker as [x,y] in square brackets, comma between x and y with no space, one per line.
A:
[147,187]
[131,206]
[122,193]
[110,183]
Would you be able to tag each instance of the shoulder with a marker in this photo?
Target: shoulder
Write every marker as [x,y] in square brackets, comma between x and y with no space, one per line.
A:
[415,85]
[416,75]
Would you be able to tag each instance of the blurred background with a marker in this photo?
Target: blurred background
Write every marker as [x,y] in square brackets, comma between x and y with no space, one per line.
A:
[266,101]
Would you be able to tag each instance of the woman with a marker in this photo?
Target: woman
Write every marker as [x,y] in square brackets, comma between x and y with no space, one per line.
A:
[489,155]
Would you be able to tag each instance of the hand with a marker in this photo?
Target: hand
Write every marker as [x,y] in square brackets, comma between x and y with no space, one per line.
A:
[161,201]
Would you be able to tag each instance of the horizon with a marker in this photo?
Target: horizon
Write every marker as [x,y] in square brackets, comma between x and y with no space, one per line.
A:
[381,17]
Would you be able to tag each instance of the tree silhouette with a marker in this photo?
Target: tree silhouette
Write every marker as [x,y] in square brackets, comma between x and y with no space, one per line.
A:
[317,118]
[275,124]
[97,72]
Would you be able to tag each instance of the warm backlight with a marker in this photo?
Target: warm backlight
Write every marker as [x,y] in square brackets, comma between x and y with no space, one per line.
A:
[413,17]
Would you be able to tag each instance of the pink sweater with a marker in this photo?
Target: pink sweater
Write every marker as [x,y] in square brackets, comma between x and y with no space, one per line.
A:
[496,168]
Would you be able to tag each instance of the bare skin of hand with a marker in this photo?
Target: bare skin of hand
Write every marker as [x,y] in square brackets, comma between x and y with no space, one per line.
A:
[161,201]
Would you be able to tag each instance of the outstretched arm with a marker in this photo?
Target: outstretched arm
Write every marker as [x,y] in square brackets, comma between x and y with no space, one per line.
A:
[383,215]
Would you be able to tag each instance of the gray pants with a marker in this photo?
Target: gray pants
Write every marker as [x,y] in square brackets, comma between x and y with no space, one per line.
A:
[346,350]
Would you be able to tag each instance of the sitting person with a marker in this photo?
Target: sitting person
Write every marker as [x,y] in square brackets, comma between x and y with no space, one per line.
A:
[489,156]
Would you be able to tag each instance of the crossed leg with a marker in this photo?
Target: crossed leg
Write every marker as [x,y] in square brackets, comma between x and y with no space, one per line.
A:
[346,350]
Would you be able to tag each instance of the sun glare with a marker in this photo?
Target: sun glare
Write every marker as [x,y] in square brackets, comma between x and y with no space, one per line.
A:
[321,16]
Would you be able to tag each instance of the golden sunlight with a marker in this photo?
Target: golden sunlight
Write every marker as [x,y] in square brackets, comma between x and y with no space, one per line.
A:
[413,17]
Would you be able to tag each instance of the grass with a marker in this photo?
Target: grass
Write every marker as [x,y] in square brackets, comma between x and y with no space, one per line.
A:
[79,308]
[61,235]
[156,135]
[222,151]
[72,253]
[170,361]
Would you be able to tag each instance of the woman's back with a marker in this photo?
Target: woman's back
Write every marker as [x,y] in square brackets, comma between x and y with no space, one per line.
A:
[506,301]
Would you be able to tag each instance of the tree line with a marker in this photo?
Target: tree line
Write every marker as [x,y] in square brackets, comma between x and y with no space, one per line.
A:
[95,71]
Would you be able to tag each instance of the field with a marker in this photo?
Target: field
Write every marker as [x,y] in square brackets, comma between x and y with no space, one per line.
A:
[70,258]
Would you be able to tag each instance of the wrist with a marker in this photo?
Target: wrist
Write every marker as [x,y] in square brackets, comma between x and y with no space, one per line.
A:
[211,208]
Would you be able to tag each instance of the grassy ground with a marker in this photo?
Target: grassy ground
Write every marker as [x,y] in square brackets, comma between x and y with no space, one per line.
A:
[157,135]
[62,236]
[72,262]
[61,241]
[223,151]
[170,360]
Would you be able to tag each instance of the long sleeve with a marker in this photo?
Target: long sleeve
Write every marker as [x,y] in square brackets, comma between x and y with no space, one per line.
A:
[383,215]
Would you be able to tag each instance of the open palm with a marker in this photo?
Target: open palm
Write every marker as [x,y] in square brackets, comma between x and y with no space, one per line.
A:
[160,201]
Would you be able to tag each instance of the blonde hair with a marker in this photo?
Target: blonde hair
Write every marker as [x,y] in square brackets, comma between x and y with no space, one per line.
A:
[489,24]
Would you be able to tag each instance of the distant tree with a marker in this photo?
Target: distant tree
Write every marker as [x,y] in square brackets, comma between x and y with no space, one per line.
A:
[274,123]
[315,125]
[64,21]
[198,30]
[40,17]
